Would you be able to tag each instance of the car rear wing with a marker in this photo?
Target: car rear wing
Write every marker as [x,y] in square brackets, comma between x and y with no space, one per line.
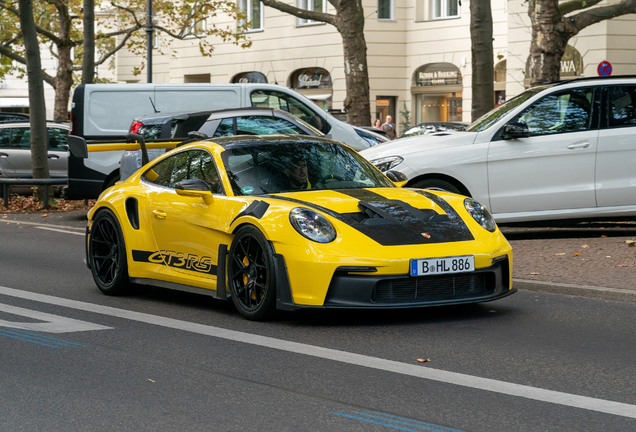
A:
[80,148]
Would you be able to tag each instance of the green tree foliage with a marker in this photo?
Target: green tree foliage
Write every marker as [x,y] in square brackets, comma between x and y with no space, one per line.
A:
[118,24]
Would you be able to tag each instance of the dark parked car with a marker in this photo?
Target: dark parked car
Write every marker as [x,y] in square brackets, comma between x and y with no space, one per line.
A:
[214,124]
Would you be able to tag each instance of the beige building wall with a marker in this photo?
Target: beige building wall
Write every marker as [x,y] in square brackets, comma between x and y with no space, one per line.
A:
[396,48]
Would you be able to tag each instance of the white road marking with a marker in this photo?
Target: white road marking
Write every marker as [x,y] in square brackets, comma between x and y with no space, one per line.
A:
[59,230]
[50,323]
[543,395]
[41,224]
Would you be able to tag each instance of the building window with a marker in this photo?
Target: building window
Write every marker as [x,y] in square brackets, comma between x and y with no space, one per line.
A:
[312,5]
[197,29]
[254,14]
[442,9]
[385,10]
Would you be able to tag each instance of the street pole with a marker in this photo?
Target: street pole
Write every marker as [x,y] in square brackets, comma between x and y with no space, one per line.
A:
[149,40]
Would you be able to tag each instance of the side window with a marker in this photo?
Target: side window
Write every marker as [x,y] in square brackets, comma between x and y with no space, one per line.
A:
[226,128]
[568,111]
[261,125]
[21,137]
[58,139]
[622,106]
[193,164]
[5,138]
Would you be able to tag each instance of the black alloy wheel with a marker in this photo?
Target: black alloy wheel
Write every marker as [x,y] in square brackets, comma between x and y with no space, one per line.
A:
[251,274]
[107,254]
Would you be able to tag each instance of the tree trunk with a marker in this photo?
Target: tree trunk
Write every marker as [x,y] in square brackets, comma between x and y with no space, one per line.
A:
[482,58]
[63,83]
[350,25]
[88,58]
[549,39]
[37,109]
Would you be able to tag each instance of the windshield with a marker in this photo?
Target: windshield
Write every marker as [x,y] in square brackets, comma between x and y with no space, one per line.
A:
[297,166]
[492,117]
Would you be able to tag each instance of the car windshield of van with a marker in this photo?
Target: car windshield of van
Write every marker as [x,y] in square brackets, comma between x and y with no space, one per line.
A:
[492,117]
[274,167]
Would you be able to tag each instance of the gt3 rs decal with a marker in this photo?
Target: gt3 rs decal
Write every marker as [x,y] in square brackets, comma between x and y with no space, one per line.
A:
[178,260]
[396,223]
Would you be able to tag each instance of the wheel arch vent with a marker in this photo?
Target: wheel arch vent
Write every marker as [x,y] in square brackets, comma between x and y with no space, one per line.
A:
[132,211]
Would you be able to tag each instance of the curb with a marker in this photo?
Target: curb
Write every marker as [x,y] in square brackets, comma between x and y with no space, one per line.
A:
[587,291]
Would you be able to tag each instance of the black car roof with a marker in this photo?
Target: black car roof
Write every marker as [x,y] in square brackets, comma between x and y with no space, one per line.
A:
[256,140]
[184,115]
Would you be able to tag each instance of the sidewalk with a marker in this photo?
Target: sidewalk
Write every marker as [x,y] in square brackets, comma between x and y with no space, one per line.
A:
[596,260]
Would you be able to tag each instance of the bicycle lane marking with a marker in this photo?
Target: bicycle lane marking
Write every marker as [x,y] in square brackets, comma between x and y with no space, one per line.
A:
[487,384]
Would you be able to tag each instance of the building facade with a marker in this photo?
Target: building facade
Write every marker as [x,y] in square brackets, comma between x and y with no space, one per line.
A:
[419,56]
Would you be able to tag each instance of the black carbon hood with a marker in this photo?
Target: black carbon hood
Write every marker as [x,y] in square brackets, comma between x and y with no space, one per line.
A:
[397,223]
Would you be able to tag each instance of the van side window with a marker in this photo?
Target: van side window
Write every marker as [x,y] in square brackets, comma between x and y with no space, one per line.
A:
[622,106]
[285,102]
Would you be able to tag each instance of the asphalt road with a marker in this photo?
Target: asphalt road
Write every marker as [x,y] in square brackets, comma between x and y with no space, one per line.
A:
[170,361]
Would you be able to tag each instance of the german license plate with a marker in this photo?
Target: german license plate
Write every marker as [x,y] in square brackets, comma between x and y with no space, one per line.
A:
[446,265]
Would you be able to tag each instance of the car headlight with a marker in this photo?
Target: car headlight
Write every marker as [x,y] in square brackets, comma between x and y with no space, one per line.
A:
[481,214]
[312,225]
[386,163]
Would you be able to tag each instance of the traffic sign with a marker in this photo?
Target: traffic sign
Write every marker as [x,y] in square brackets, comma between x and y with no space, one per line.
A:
[604,68]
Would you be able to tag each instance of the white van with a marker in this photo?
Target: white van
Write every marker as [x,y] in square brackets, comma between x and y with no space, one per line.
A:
[104,112]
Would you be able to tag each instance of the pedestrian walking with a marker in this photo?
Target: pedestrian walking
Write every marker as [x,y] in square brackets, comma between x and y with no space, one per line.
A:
[389,128]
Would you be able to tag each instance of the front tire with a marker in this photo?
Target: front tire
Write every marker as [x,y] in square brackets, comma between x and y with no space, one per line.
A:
[251,275]
[437,185]
[107,255]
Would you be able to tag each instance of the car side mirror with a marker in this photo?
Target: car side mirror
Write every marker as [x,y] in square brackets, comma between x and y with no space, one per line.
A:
[515,131]
[398,178]
[77,146]
[194,188]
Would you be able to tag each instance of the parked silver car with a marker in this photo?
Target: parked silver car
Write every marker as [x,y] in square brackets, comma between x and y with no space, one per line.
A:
[15,150]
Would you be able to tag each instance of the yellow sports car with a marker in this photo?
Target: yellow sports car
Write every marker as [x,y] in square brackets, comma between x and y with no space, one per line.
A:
[288,222]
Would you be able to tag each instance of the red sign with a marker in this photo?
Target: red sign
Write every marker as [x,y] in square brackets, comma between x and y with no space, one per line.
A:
[604,68]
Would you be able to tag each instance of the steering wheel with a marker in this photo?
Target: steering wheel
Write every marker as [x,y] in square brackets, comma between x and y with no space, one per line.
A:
[330,177]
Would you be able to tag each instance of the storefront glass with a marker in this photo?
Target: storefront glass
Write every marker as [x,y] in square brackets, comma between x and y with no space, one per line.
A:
[250,77]
[437,90]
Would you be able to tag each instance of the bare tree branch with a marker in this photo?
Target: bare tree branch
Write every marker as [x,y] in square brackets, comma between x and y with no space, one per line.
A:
[574,5]
[602,13]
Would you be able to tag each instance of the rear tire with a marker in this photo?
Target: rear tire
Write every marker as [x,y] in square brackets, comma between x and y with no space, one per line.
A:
[107,255]
[251,275]
[437,185]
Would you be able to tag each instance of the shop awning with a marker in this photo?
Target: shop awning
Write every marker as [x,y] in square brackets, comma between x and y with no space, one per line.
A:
[14,102]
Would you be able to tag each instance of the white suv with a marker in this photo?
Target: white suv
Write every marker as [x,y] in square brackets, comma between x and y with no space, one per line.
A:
[561,151]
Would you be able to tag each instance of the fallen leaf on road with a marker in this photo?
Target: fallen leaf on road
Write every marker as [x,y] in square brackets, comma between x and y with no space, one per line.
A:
[603,236]
[150,380]
[630,242]
[423,360]
[560,254]
[585,247]
[534,273]
[44,215]
[577,254]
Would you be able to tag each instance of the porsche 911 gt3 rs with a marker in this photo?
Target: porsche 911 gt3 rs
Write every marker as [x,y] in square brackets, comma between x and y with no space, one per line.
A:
[289,222]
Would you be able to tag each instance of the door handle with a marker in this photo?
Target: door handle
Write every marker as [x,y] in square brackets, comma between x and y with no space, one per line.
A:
[160,214]
[54,157]
[579,145]
[4,155]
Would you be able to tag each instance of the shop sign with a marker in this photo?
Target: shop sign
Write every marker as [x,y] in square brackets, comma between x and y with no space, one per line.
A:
[311,78]
[436,74]
[250,78]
